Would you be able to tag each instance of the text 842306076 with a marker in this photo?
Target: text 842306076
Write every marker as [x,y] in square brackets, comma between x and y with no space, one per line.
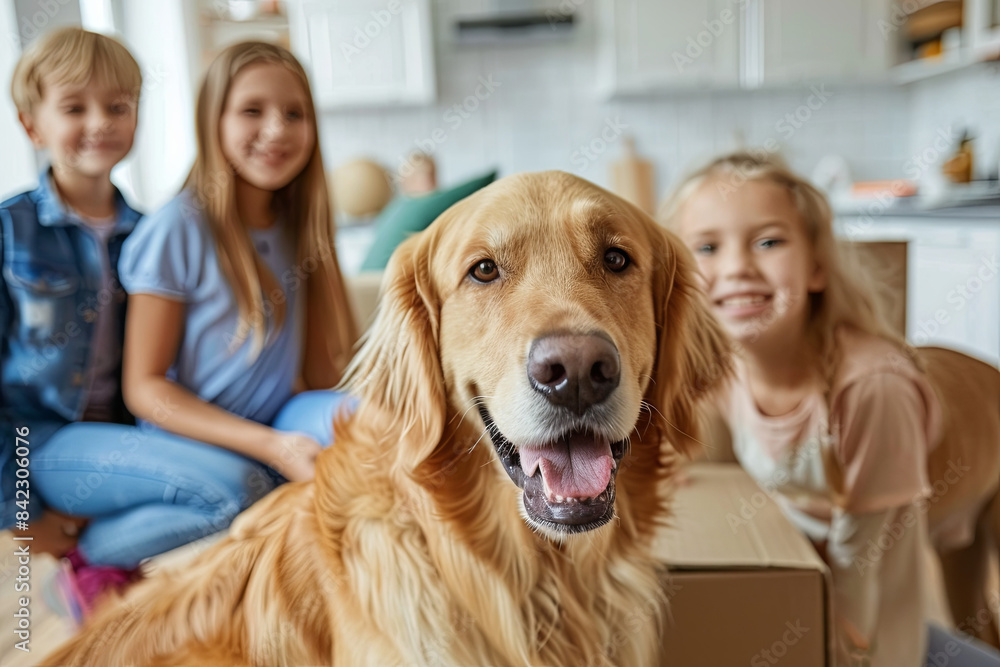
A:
[22,583]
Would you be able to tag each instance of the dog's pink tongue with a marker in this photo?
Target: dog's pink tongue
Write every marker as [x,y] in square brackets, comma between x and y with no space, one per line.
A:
[575,467]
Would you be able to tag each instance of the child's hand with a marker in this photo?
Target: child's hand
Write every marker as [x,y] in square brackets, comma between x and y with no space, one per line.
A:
[294,456]
[55,533]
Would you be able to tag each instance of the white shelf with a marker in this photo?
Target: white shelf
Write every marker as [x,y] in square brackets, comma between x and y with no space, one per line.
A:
[928,68]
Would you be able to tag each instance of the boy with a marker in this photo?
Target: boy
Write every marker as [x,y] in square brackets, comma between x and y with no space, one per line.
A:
[62,310]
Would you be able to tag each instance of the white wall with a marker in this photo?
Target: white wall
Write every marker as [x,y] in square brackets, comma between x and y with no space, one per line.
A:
[157,33]
[17,166]
[544,110]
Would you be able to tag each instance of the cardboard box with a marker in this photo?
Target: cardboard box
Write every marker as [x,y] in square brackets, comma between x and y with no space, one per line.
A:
[745,587]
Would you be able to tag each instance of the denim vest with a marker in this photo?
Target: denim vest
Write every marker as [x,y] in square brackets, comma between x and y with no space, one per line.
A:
[51,293]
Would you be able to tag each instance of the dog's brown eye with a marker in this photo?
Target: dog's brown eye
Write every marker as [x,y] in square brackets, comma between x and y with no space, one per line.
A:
[485,271]
[616,260]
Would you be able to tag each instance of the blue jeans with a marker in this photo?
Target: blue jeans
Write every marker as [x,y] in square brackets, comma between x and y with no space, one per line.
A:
[148,491]
[945,649]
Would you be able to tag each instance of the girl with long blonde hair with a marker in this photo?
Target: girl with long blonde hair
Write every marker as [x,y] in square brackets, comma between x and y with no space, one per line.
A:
[828,408]
[236,305]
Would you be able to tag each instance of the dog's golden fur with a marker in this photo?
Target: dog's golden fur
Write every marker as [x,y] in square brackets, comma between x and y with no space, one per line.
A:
[963,513]
[411,546]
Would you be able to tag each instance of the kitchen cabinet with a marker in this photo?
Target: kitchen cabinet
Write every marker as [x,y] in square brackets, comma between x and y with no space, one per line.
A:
[961,46]
[365,53]
[806,40]
[953,290]
[648,46]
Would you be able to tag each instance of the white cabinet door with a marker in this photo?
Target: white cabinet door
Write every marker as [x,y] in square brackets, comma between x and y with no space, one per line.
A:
[365,52]
[953,290]
[659,44]
[956,297]
[816,40]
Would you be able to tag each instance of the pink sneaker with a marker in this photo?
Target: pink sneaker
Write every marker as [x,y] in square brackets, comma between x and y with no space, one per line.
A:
[81,584]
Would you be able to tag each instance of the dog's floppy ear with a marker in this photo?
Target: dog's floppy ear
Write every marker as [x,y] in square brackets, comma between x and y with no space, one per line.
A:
[693,352]
[397,371]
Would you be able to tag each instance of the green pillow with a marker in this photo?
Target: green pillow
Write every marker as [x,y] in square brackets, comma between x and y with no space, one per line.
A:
[404,216]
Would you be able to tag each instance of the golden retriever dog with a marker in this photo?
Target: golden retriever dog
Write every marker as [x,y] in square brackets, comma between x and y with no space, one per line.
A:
[534,365]
[963,512]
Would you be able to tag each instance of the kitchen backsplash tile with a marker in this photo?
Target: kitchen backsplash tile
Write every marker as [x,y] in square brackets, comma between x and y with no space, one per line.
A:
[944,106]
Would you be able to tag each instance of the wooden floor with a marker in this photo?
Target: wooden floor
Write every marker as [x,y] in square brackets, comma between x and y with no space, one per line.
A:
[49,630]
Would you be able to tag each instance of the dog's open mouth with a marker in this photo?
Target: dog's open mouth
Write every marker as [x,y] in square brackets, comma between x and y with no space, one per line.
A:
[569,483]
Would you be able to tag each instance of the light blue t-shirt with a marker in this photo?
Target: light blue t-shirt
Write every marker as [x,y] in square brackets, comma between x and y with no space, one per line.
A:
[172,254]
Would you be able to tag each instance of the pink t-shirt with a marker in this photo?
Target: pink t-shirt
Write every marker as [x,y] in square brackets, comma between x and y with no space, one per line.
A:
[849,470]
[863,449]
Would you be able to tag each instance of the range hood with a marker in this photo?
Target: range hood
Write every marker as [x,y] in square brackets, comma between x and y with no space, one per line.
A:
[492,21]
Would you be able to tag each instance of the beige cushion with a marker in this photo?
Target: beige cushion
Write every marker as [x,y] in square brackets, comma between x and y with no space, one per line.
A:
[363,289]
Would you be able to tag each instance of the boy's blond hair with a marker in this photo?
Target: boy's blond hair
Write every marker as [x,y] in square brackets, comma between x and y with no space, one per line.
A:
[845,299]
[72,56]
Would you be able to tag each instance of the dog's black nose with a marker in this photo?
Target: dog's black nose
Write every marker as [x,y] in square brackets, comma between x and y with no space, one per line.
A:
[574,371]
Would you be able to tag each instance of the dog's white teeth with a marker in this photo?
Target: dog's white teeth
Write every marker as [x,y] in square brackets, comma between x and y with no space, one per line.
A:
[602,497]
[567,500]
[614,464]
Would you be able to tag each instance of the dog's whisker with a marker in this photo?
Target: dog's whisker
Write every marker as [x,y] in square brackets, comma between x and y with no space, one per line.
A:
[475,402]
[687,435]
[478,440]
[651,408]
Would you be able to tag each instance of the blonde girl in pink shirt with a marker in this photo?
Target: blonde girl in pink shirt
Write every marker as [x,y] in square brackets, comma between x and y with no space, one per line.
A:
[828,408]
